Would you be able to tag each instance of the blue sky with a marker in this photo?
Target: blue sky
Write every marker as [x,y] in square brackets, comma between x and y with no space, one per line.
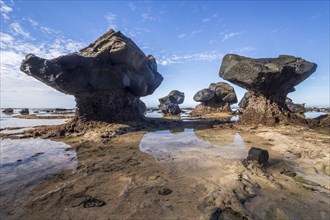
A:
[188,40]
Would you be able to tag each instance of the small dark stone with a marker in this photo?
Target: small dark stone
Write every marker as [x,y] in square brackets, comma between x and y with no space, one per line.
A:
[93,202]
[165,191]
[288,173]
[259,155]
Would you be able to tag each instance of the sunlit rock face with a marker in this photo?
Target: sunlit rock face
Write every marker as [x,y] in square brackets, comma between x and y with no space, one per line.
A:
[217,98]
[268,81]
[169,104]
[107,78]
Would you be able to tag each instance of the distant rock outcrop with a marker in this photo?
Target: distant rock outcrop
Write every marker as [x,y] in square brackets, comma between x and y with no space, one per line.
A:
[24,111]
[169,104]
[107,78]
[8,111]
[217,98]
[295,108]
[268,81]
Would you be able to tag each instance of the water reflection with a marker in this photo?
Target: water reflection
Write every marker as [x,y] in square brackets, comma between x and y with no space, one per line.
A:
[26,162]
[168,145]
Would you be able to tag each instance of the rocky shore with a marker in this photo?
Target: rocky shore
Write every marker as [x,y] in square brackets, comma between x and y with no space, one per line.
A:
[133,167]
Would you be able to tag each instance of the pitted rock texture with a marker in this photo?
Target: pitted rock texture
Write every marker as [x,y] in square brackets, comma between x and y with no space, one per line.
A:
[107,78]
[268,81]
[217,98]
[169,104]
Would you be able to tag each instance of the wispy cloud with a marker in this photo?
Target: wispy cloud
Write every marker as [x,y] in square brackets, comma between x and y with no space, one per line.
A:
[111,18]
[5,10]
[131,6]
[147,17]
[246,49]
[18,30]
[191,34]
[231,35]
[279,30]
[205,20]
[201,56]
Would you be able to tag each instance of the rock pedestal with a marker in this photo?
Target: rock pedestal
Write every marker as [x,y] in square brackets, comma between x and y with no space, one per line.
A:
[217,98]
[169,104]
[268,81]
[107,78]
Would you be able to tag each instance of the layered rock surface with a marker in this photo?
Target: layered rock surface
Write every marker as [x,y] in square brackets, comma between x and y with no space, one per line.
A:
[169,104]
[107,78]
[217,98]
[268,81]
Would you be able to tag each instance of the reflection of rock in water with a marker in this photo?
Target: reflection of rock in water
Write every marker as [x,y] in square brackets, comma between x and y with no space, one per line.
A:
[177,130]
[222,138]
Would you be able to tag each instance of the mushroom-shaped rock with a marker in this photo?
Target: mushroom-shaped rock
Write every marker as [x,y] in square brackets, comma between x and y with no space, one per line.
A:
[268,81]
[107,78]
[216,98]
[169,104]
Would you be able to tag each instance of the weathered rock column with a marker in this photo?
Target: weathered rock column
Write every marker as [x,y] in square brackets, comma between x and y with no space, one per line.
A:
[107,78]
[268,82]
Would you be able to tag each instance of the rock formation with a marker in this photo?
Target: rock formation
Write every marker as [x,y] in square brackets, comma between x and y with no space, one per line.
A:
[24,111]
[217,98]
[169,104]
[8,111]
[295,108]
[107,78]
[268,81]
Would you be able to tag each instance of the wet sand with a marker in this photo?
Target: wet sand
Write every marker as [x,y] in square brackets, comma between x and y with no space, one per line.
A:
[200,177]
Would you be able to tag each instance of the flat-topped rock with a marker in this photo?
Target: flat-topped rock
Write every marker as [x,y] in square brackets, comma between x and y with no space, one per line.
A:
[107,78]
[268,81]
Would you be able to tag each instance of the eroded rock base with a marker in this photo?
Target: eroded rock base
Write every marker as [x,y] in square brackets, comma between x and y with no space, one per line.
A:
[209,108]
[116,106]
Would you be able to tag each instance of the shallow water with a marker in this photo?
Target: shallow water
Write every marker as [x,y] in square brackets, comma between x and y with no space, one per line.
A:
[314,114]
[169,145]
[26,162]
[8,121]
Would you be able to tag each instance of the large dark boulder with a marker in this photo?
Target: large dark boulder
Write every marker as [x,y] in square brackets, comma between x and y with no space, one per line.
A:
[217,98]
[268,81]
[169,104]
[107,78]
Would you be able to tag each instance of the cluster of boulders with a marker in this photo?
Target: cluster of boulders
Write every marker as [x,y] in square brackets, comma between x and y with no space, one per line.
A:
[268,81]
[169,104]
[217,98]
[107,78]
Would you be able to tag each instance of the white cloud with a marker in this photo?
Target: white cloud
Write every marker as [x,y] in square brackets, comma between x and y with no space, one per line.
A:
[204,20]
[5,38]
[5,10]
[231,35]
[147,17]
[111,19]
[201,56]
[18,30]
[246,49]
[33,22]
[181,36]
[131,6]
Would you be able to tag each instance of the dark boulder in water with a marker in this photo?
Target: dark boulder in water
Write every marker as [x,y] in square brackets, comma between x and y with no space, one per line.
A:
[107,78]
[169,104]
[217,98]
[268,81]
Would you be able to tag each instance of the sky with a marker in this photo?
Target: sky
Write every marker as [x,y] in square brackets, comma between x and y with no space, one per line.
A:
[187,38]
